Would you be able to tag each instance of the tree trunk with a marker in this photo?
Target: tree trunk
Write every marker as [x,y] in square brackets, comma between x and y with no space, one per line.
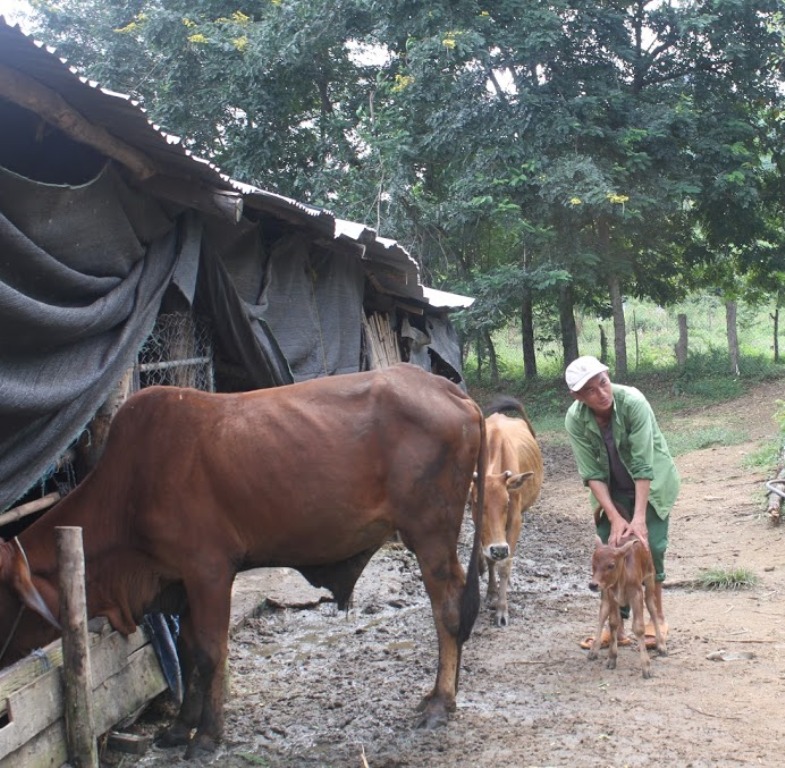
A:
[619,328]
[776,318]
[527,334]
[493,361]
[603,345]
[682,344]
[733,339]
[569,333]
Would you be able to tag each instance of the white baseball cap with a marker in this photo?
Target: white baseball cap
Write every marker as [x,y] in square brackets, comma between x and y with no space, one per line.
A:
[581,370]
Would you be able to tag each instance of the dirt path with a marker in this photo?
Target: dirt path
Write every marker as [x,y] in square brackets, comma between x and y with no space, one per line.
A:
[311,688]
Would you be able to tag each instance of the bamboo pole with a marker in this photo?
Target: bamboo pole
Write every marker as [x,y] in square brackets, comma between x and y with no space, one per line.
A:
[30,508]
[77,671]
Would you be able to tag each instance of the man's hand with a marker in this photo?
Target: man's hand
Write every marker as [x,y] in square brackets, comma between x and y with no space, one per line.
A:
[639,529]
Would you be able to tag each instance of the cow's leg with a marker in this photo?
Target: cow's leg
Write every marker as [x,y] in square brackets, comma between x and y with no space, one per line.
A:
[212,632]
[444,582]
[209,610]
[179,733]
[639,628]
[502,610]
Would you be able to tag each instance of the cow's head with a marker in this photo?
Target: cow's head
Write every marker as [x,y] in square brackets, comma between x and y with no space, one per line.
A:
[15,574]
[501,494]
[607,562]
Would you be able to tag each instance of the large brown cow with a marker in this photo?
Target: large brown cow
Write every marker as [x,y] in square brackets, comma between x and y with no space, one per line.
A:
[194,487]
[512,485]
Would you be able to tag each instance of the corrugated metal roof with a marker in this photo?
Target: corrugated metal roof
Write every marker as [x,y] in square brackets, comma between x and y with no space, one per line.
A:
[390,267]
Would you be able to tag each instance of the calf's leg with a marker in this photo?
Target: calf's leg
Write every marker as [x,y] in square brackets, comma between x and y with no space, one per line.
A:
[502,609]
[605,608]
[650,595]
[614,623]
[639,628]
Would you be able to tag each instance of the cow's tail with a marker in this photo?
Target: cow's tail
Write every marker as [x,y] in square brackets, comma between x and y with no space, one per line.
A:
[470,600]
[507,403]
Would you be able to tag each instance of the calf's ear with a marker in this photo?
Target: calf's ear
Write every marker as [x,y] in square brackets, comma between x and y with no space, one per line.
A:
[22,581]
[515,482]
[627,546]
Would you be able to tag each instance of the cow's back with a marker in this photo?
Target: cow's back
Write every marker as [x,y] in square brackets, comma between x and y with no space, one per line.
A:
[301,474]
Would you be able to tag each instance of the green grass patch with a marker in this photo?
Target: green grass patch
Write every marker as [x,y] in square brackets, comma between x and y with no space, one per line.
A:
[684,441]
[764,457]
[726,578]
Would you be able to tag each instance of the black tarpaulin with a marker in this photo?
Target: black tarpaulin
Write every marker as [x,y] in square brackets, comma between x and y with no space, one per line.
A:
[82,272]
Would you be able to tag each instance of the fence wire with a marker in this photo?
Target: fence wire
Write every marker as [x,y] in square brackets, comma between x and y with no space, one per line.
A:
[178,353]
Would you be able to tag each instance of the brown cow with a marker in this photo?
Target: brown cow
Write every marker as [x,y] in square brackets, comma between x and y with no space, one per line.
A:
[624,575]
[194,487]
[512,484]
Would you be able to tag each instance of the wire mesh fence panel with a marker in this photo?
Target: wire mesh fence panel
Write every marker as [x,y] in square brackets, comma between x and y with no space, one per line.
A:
[177,353]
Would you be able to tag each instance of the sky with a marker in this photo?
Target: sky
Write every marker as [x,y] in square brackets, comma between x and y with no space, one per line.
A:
[13,11]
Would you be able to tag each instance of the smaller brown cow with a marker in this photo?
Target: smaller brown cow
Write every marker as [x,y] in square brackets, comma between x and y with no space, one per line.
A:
[512,484]
[624,575]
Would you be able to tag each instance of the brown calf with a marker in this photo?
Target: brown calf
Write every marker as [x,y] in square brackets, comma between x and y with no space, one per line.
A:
[624,575]
[512,484]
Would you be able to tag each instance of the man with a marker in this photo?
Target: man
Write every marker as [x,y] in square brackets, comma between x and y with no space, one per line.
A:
[624,460]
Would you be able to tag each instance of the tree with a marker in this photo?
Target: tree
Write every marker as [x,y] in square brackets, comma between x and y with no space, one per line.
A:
[535,156]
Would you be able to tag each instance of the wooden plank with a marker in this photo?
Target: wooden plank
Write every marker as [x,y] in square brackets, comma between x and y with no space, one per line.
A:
[104,642]
[126,675]
[130,688]
[32,709]
[47,750]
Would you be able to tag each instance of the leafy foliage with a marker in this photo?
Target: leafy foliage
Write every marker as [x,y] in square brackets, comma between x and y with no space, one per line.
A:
[514,147]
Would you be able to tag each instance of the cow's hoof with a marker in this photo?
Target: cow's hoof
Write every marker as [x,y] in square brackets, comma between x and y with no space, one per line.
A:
[200,746]
[175,736]
[432,717]
[611,664]
[662,651]
[502,620]
[646,674]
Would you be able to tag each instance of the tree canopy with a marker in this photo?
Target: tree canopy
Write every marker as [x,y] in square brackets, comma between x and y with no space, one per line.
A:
[535,155]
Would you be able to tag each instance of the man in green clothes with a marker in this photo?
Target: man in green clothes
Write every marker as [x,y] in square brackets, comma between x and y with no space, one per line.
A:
[623,458]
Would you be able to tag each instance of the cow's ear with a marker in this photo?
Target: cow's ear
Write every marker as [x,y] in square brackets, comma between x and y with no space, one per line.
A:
[515,482]
[22,581]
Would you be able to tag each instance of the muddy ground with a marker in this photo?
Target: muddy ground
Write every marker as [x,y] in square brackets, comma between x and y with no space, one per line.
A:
[311,687]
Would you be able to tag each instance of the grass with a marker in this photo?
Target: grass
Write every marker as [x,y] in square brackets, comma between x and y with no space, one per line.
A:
[726,578]
[681,442]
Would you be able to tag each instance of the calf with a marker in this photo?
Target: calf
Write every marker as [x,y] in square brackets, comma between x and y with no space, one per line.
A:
[512,484]
[624,575]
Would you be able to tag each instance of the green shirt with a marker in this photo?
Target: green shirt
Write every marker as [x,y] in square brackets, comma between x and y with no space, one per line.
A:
[641,445]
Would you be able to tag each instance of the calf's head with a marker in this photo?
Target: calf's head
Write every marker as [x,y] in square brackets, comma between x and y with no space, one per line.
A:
[501,492]
[607,563]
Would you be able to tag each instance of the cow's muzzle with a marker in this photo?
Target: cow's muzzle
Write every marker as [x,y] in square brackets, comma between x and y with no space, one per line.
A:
[499,551]
[594,586]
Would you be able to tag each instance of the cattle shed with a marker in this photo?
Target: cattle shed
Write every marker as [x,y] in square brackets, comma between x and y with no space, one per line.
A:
[127,261]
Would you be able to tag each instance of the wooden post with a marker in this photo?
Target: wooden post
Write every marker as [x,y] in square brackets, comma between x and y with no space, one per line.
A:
[77,672]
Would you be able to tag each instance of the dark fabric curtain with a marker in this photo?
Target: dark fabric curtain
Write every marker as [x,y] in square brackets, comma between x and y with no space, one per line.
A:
[82,272]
